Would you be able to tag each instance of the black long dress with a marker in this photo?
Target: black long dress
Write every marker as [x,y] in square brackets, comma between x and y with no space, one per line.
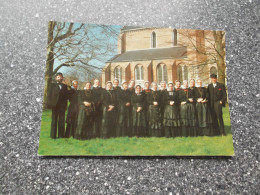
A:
[124,122]
[85,123]
[154,113]
[139,119]
[188,113]
[162,91]
[171,118]
[203,112]
[146,92]
[99,112]
[108,129]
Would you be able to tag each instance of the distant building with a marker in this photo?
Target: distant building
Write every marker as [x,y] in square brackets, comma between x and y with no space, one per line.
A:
[161,54]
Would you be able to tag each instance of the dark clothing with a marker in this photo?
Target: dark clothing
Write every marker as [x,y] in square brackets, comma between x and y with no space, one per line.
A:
[217,94]
[188,112]
[124,122]
[108,128]
[85,123]
[171,120]
[162,106]
[99,112]
[203,112]
[139,119]
[154,113]
[72,113]
[57,99]
[146,92]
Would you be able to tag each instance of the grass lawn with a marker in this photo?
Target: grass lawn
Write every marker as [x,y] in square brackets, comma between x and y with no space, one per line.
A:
[180,146]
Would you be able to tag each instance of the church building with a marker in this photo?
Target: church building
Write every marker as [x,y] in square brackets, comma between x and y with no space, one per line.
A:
[161,54]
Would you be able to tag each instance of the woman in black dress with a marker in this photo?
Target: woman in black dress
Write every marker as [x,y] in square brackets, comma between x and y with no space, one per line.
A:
[153,100]
[86,113]
[203,112]
[171,119]
[146,92]
[125,111]
[187,110]
[108,99]
[138,114]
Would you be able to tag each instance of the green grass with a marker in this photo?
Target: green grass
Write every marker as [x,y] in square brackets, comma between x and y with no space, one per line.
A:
[180,146]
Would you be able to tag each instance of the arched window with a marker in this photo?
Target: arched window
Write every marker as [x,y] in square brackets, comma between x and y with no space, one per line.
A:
[139,73]
[162,73]
[174,37]
[118,73]
[213,70]
[153,40]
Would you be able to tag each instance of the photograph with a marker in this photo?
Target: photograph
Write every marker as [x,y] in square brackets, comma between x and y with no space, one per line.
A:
[114,90]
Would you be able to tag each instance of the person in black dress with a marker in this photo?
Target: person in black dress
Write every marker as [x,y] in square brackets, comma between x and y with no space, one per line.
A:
[163,89]
[98,107]
[171,119]
[217,100]
[146,92]
[193,112]
[108,99]
[138,114]
[117,90]
[187,110]
[124,123]
[85,122]
[57,98]
[73,110]
[153,100]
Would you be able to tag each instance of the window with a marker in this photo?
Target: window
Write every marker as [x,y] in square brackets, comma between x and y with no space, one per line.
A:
[213,70]
[174,37]
[118,73]
[153,40]
[139,73]
[185,73]
[162,73]
[179,72]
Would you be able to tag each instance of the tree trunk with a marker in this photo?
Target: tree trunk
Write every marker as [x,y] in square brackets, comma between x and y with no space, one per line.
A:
[49,63]
[220,48]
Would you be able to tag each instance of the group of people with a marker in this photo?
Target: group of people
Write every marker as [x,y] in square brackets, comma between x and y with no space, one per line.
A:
[130,110]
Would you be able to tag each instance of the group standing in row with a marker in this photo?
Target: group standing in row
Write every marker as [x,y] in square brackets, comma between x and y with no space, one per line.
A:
[130,110]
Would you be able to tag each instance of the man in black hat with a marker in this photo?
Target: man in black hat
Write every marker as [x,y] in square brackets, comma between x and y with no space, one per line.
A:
[217,99]
[57,99]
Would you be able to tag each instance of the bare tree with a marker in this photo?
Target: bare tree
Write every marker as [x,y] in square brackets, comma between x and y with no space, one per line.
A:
[82,47]
[211,51]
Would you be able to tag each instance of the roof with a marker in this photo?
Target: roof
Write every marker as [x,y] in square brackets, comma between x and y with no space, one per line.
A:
[125,28]
[151,54]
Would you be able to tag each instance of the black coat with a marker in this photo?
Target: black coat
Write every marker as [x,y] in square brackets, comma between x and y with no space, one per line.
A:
[73,107]
[57,96]
[185,95]
[98,103]
[201,92]
[217,94]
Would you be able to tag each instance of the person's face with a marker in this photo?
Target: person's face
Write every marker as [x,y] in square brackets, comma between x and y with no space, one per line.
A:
[178,85]
[88,86]
[170,87]
[59,78]
[109,86]
[97,82]
[147,85]
[155,87]
[116,83]
[75,85]
[213,80]
[185,84]
[199,82]
[138,89]
[132,84]
[192,83]
[125,85]
[163,85]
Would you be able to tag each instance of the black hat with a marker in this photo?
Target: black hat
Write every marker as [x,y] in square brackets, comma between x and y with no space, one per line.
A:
[213,76]
[58,74]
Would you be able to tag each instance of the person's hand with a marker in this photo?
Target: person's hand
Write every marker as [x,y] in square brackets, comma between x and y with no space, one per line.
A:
[199,100]
[127,104]
[204,101]
[110,108]
[220,102]
[182,103]
[139,109]
[155,103]
[190,99]
[171,103]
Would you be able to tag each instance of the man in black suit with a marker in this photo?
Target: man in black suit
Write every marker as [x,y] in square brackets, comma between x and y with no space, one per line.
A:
[57,99]
[73,109]
[217,99]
